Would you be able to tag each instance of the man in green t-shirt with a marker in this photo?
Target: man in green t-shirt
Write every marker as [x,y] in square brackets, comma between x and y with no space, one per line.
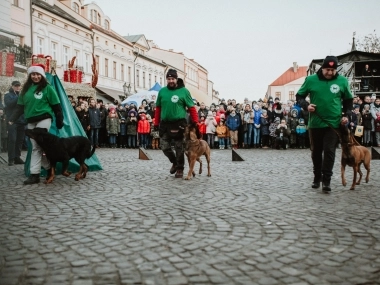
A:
[328,91]
[172,104]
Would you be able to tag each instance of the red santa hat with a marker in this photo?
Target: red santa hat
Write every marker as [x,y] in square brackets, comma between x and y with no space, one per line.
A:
[37,68]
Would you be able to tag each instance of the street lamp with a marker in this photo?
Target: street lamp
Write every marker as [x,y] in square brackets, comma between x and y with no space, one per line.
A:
[127,89]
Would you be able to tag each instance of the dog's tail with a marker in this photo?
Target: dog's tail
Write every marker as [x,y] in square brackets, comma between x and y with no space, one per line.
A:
[91,153]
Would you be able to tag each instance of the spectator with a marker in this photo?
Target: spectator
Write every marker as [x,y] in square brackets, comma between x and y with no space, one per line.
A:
[233,123]
[301,131]
[256,126]
[95,123]
[247,123]
[221,132]
[143,130]
[112,127]
[123,133]
[83,116]
[210,128]
[132,128]
[264,122]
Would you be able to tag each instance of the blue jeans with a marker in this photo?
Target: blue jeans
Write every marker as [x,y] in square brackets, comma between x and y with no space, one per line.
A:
[256,135]
[112,139]
[248,135]
[143,139]
[94,136]
[221,141]
[132,140]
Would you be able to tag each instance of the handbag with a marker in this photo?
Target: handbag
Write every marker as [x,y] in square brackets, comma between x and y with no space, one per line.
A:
[359,131]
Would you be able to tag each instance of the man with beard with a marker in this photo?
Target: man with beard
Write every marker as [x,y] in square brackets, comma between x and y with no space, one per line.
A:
[170,119]
[328,92]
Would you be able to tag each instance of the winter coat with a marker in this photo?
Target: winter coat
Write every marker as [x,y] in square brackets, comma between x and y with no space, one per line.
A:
[10,103]
[123,128]
[202,127]
[143,126]
[301,130]
[83,117]
[272,129]
[248,117]
[283,130]
[122,113]
[233,122]
[211,124]
[113,125]
[367,121]
[95,118]
[293,123]
[374,109]
[264,122]
[202,112]
[257,117]
[131,126]
[221,131]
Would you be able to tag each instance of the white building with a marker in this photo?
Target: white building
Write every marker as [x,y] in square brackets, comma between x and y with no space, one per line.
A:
[286,86]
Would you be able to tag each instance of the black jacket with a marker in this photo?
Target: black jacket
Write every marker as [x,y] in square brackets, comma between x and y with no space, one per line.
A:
[10,102]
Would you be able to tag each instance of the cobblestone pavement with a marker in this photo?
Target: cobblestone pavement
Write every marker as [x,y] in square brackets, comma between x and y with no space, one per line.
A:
[252,222]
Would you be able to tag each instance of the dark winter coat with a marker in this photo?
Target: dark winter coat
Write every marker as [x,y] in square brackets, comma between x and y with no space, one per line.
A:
[367,121]
[10,102]
[95,118]
[264,122]
[131,126]
[83,117]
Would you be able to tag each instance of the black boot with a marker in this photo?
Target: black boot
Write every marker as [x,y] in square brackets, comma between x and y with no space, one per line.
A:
[326,185]
[32,179]
[316,182]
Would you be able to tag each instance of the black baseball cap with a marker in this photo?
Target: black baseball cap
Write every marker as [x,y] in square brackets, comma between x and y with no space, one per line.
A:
[16,83]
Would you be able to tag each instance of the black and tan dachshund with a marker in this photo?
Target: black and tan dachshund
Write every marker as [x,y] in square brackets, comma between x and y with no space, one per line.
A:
[62,150]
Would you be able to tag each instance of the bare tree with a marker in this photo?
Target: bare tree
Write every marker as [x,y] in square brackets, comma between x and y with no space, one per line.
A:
[368,43]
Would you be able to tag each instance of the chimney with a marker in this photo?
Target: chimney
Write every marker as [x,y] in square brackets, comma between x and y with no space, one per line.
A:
[295,67]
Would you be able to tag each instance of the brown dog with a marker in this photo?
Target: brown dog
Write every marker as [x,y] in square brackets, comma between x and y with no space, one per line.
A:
[353,154]
[195,148]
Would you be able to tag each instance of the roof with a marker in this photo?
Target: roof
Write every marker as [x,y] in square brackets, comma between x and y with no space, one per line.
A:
[59,12]
[289,76]
[355,55]
[110,33]
[156,61]
[133,38]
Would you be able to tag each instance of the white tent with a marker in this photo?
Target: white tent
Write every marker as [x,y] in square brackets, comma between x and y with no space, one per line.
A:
[140,96]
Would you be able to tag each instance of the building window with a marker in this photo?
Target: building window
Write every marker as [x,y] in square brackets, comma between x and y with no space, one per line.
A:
[106,43]
[16,3]
[114,70]
[143,79]
[114,46]
[150,80]
[122,49]
[106,67]
[65,58]
[99,19]
[77,53]
[97,39]
[53,21]
[155,78]
[77,31]
[66,27]
[122,72]
[39,16]
[40,45]
[86,62]
[94,16]
[106,24]
[97,60]
[291,95]
[76,7]
[278,94]
[161,81]
[129,74]
[138,78]
[54,50]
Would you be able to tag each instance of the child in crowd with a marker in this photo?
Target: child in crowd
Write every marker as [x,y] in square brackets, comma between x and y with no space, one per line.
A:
[123,133]
[112,127]
[132,128]
[221,132]
[202,128]
[155,137]
[272,131]
[358,115]
[282,134]
[293,123]
[233,122]
[143,130]
[301,130]
[210,128]
[264,122]
[149,137]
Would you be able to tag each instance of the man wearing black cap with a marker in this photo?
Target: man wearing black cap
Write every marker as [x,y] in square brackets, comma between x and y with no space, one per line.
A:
[170,119]
[15,131]
[327,90]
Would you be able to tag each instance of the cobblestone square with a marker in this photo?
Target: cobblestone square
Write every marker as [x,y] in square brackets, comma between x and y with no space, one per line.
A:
[251,222]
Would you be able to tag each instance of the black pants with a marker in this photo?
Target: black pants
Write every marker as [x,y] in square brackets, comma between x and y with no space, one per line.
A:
[166,139]
[16,135]
[323,145]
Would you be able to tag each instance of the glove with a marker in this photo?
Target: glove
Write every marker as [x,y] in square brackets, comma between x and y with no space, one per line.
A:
[155,128]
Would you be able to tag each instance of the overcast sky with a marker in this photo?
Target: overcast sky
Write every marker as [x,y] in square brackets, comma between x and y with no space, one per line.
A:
[246,44]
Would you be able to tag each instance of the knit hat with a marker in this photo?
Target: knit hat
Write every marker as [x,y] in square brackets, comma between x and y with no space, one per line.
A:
[330,62]
[172,73]
[37,68]
[132,112]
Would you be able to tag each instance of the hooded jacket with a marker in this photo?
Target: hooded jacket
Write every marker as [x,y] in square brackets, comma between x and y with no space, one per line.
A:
[10,102]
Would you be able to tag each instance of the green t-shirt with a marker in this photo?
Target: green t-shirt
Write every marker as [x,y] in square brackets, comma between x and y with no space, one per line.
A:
[173,103]
[40,103]
[327,95]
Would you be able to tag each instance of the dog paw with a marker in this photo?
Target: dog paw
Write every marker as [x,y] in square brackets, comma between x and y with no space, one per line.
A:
[67,174]
[187,178]
[208,175]
[352,188]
